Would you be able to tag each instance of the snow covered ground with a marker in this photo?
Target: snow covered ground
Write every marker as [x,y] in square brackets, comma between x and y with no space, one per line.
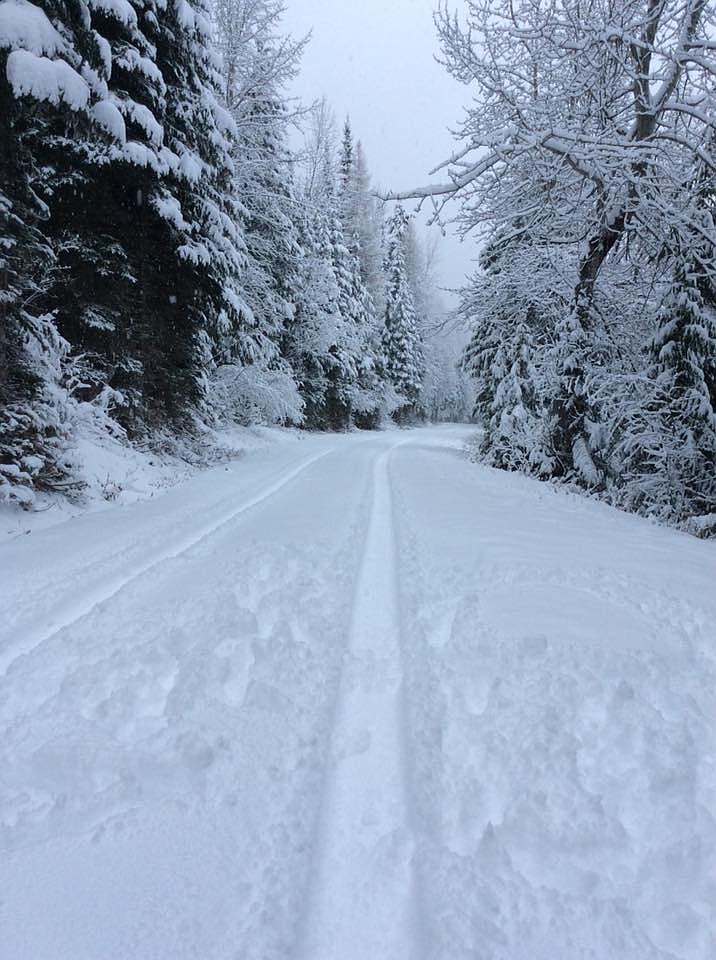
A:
[356,697]
[113,471]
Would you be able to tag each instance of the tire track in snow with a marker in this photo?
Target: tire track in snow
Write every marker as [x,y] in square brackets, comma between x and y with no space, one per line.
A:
[362,900]
[74,612]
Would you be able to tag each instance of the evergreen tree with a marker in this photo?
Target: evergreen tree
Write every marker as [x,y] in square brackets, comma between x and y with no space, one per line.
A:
[258,62]
[684,359]
[337,315]
[365,393]
[345,351]
[314,342]
[360,217]
[106,225]
[401,345]
[508,355]
[264,182]
[345,165]
[515,422]
[42,95]
[205,308]
[575,418]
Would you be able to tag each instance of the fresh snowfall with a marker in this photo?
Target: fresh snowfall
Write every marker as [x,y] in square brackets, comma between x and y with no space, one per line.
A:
[344,616]
[354,697]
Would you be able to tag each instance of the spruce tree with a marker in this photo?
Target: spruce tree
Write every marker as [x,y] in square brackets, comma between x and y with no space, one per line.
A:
[401,345]
[360,216]
[106,224]
[258,63]
[345,165]
[198,303]
[514,432]
[311,341]
[345,350]
[683,355]
[43,99]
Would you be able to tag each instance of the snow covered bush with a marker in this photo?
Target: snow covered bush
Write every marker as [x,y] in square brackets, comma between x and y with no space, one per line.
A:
[256,395]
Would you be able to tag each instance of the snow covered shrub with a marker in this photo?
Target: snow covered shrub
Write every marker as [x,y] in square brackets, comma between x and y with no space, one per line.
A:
[684,366]
[512,434]
[34,424]
[256,395]
[511,308]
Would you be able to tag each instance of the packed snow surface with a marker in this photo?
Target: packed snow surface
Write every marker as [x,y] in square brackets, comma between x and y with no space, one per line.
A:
[357,697]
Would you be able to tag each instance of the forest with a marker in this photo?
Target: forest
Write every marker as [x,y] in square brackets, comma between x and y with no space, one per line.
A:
[586,164]
[170,258]
[173,257]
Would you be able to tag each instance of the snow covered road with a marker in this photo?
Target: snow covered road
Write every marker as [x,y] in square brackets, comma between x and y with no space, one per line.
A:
[356,697]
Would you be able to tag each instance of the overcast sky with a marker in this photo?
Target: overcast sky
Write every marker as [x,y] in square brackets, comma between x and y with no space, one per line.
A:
[373,59]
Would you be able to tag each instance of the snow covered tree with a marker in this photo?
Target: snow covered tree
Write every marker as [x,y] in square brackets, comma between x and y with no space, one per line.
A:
[334,340]
[515,422]
[43,96]
[101,224]
[315,340]
[446,393]
[259,61]
[360,216]
[364,296]
[31,351]
[346,160]
[357,310]
[199,306]
[684,361]
[309,341]
[401,343]
[508,356]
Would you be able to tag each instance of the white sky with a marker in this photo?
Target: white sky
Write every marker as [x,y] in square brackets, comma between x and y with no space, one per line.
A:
[373,59]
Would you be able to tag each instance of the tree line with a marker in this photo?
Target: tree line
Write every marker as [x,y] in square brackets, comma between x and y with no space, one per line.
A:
[586,167]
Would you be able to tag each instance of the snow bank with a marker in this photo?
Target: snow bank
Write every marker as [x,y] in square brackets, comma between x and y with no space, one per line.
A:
[561,663]
[522,678]
[115,472]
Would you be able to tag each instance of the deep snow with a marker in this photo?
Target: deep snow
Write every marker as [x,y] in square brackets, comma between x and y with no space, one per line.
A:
[356,696]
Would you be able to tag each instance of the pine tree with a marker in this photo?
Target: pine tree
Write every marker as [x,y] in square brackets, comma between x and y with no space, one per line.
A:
[513,436]
[345,165]
[684,357]
[360,278]
[198,306]
[508,353]
[106,221]
[360,217]
[575,419]
[258,62]
[312,338]
[264,181]
[345,351]
[341,318]
[42,96]
[401,345]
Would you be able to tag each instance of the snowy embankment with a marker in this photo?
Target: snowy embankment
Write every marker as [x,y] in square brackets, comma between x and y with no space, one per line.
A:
[356,696]
[109,471]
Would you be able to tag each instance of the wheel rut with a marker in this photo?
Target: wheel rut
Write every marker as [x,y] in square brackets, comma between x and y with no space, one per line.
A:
[74,611]
[362,898]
